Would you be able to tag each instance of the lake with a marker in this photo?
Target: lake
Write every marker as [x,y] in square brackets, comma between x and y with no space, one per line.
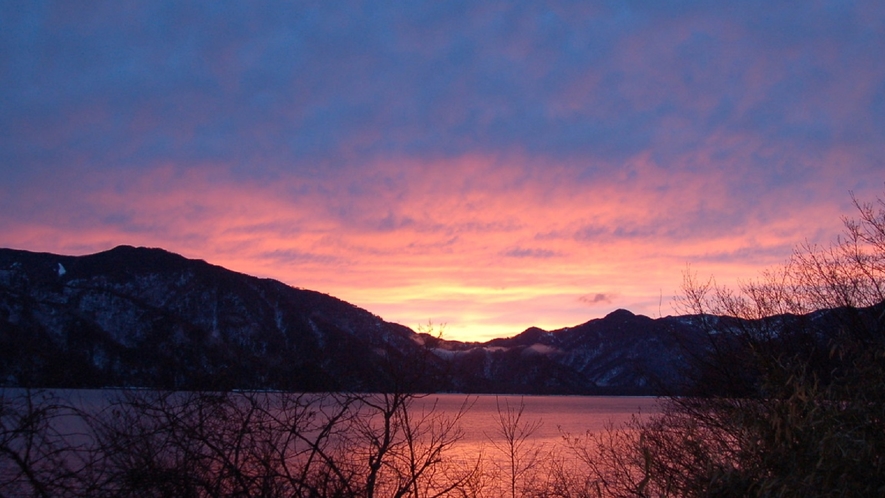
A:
[551,417]
[556,414]
[214,429]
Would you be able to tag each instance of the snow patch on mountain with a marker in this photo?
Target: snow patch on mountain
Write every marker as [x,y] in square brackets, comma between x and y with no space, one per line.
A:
[540,349]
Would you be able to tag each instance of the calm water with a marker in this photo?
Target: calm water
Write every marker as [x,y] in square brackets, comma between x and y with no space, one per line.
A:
[556,414]
[553,416]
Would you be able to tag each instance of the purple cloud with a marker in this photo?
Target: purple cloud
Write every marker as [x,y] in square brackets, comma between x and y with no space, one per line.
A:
[598,298]
[683,131]
[519,252]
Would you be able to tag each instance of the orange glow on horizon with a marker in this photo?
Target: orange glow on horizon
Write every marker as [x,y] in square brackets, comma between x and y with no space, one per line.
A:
[489,168]
[488,249]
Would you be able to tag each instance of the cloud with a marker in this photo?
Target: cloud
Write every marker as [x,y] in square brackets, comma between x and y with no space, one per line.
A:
[519,252]
[469,158]
[288,87]
[605,298]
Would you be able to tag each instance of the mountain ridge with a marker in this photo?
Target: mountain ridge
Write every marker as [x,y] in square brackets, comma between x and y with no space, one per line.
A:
[147,316]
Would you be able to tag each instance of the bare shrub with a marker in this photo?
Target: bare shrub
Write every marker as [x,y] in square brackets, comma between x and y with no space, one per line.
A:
[407,449]
[43,452]
[277,444]
[519,459]
[789,399]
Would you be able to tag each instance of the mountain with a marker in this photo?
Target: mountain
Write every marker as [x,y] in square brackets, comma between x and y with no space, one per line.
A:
[621,353]
[147,317]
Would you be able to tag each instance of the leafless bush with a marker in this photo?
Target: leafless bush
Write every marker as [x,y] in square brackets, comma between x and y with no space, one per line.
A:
[275,444]
[43,452]
[406,448]
[519,458]
[790,396]
[221,443]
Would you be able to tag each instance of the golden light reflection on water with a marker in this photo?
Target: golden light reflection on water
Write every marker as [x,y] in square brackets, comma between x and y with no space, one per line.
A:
[556,416]
[478,443]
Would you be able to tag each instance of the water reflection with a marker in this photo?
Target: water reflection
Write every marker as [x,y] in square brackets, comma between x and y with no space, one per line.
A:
[207,444]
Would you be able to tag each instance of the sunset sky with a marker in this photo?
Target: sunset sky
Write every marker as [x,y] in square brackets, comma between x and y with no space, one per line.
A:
[487,165]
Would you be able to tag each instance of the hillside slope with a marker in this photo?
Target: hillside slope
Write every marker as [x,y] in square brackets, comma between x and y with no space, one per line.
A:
[147,317]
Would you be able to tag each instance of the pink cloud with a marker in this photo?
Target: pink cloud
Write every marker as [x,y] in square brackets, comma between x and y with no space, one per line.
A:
[414,240]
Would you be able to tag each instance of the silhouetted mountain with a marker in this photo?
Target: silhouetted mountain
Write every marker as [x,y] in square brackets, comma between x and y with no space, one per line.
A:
[621,353]
[147,317]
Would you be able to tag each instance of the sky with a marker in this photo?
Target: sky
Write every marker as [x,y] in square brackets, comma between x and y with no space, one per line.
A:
[482,166]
